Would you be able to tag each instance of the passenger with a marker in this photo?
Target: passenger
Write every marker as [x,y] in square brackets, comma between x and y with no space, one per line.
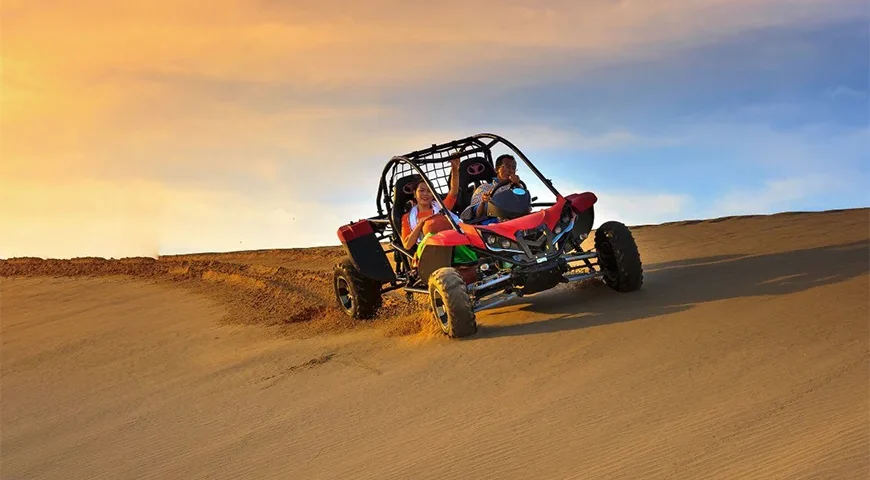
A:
[425,216]
[505,169]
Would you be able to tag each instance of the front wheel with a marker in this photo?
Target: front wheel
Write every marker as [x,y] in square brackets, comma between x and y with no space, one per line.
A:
[618,257]
[359,297]
[451,303]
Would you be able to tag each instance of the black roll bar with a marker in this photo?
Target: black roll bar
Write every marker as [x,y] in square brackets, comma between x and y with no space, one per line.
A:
[496,139]
[417,157]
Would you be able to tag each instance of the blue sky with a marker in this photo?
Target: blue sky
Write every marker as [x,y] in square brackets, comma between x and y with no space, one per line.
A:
[774,105]
[266,124]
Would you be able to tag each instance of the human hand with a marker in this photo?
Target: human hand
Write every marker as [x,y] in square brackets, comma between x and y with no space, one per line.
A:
[431,218]
[485,197]
[514,178]
[454,163]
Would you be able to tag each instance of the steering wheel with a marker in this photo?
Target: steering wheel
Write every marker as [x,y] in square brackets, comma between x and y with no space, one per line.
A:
[508,182]
[498,185]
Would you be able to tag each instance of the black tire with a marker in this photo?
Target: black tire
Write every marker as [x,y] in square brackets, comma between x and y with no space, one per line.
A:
[357,296]
[618,257]
[451,303]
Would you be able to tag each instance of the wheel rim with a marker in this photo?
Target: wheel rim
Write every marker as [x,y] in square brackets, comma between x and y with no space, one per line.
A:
[342,291]
[439,310]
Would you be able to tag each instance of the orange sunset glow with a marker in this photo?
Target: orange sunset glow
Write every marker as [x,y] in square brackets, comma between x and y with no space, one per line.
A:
[137,128]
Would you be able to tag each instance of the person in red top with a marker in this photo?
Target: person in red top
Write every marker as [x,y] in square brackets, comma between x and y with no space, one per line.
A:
[426,217]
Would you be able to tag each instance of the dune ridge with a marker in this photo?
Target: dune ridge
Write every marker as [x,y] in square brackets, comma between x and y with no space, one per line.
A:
[745,355]
[269,295]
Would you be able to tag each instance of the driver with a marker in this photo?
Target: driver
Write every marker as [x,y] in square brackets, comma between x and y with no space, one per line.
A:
[505,169]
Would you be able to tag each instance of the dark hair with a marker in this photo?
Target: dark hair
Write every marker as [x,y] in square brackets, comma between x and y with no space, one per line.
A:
[501,158]
[415,184]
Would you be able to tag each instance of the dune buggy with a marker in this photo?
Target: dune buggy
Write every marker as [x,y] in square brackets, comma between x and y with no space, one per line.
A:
[532,248]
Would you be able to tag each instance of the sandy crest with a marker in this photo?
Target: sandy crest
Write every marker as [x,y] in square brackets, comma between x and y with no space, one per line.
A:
[744,356]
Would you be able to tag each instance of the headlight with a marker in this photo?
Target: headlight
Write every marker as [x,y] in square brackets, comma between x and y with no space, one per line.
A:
[498,243]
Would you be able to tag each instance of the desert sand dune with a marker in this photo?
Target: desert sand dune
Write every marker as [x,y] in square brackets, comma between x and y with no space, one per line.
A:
[745,355]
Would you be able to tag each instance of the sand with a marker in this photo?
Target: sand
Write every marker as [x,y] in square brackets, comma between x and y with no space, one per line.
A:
[745,355]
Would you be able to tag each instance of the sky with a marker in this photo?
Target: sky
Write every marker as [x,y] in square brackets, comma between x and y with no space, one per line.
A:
[152,128]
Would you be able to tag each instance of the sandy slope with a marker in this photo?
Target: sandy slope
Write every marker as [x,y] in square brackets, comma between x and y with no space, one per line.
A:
[744,356]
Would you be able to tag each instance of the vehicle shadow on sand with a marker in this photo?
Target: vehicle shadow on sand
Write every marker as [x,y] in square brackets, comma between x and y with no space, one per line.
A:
[678,286]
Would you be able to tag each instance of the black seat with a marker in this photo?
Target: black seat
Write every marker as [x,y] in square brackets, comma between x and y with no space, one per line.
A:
[473,172]
[402,196]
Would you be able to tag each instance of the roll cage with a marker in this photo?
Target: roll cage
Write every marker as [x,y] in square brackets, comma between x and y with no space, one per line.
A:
[433,167]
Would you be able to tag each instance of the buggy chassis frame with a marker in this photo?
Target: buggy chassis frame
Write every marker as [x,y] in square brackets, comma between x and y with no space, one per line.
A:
[485,291]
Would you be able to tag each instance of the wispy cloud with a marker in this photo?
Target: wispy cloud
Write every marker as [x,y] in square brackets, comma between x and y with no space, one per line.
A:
[546,137]
[81,218]
[270,40]
[842,92]
[633,207]
[236,118]
[775,196]
[637,208]
[145,218]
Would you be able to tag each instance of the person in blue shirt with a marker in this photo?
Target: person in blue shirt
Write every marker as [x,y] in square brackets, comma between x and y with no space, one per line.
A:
[505,169]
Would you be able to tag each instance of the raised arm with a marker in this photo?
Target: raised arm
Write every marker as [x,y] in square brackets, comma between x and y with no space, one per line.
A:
[454,177]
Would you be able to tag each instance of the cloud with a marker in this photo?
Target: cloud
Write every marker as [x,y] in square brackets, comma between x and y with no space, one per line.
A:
[336,43]
[133,127]
[845,93]
[641,208]
[634,207]
[775,196]
[276,79]
[572,139]
[143,218]
[81,218]
[220,221]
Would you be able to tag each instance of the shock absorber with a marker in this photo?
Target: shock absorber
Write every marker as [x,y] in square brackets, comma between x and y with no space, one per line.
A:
[575,243]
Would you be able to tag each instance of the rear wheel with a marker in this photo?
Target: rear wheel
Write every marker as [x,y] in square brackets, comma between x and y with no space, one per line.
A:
[357,296]
[618,257]
[451,303]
